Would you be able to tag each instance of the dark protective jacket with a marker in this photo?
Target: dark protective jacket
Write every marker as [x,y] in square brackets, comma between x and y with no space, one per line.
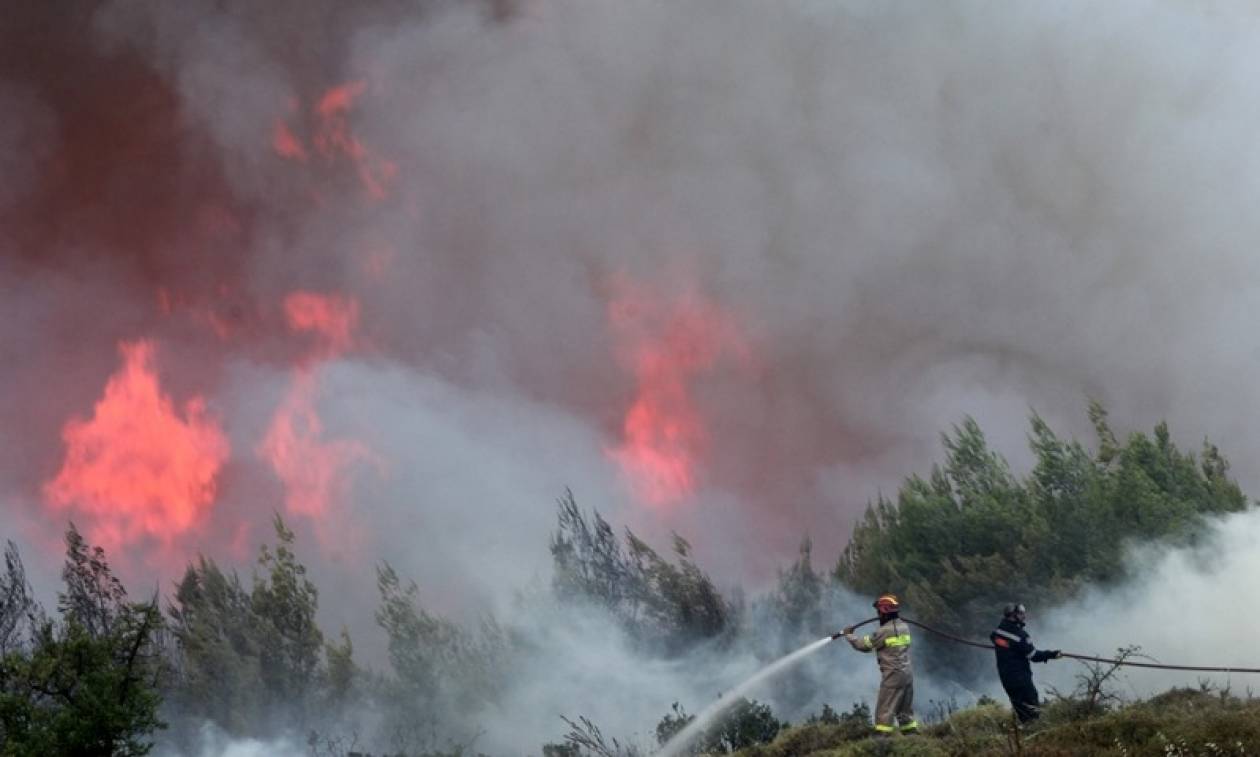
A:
[1014,651]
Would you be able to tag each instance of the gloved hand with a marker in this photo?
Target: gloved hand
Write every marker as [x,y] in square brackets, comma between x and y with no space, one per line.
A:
[1055,654]
[847,630]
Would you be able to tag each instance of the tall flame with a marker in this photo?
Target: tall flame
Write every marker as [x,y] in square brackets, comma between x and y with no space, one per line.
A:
[138,469]
[312,468]
[667,345]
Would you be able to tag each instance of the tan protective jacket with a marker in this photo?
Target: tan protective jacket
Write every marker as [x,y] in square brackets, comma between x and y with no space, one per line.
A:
[890,643]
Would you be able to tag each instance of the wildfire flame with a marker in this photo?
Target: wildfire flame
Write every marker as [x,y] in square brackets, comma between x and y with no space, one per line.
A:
[667,346]
[138,469]
[330,317]
[286,144]
[332,139]
[313,469]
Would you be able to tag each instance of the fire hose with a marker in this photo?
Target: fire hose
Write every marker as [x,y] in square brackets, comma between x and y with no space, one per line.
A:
[1072,655]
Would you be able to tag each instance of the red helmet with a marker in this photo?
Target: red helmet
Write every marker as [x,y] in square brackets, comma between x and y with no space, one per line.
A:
[887,603]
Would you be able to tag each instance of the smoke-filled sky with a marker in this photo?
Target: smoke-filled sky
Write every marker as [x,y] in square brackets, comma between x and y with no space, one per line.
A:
[402,271]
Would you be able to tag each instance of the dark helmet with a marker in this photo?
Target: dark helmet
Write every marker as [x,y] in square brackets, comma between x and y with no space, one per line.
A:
[1013,609]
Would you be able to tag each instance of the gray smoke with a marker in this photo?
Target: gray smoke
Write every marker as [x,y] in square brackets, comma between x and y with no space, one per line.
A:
[1189,606]
[913,213]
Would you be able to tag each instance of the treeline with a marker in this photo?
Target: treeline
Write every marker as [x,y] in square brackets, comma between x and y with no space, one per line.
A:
[105,673]
[972,536]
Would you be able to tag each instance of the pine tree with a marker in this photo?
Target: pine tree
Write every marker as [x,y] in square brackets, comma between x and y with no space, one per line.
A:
[87,683]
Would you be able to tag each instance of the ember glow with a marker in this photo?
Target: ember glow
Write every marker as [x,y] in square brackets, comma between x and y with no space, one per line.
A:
[669,346]
[137,469]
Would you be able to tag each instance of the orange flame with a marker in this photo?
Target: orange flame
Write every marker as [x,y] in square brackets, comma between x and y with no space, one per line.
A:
[285,142]
[333,139]
[340,99]
[667,346]
[331,317]
[314,470]
[138,469]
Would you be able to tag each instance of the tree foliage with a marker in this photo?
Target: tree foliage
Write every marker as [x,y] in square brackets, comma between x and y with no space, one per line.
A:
[747,723]
[290,642]
[215,628]
[88,682]
[251,657]
[665,605]
[972,535]
[797,600]
[18,610]
[441,671]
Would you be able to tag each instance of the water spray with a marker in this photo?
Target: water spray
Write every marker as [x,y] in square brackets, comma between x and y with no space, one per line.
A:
[702,721]
[680,740]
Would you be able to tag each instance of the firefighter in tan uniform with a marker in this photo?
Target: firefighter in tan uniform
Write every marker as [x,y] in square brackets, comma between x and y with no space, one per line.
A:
[891,645]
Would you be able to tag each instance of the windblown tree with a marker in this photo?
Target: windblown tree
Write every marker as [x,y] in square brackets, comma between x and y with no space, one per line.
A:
[216,631]
[798,599]
[665,605]
[19,612]
[290,642]
[87,682]
[251,659]
[973,536]
[442,673]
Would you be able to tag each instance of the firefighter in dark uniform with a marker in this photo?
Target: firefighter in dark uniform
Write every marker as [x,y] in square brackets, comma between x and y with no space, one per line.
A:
[891,645]
[1014,651]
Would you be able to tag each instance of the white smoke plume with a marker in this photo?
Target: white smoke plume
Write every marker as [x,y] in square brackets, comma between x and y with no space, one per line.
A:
[214,743]
[1189,606]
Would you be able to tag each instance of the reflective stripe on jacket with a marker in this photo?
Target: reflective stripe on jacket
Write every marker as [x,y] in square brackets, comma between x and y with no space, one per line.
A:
[1014,649]
[890,643]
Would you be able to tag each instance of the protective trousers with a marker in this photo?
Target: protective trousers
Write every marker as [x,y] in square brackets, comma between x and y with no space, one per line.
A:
[895,702]
[1024,698]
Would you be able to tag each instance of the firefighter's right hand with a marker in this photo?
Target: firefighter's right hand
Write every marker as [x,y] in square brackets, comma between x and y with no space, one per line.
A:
[1055,654]
[846,630]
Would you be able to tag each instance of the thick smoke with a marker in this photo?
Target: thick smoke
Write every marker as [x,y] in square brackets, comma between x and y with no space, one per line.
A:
[1190,606]
[908,213]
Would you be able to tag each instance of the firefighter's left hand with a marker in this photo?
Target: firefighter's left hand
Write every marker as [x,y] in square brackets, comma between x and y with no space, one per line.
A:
[847,630]
[1055,654]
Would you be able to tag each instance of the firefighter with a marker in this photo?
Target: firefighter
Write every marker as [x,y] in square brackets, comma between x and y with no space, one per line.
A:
[1014,650]
[891,645]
